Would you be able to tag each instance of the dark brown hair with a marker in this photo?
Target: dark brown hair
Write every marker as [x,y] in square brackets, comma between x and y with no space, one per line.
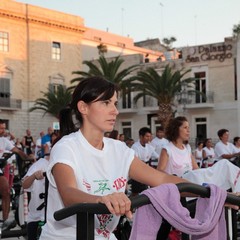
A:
[172,129]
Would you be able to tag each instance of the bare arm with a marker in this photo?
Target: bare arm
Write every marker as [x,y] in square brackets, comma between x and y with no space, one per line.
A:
[194,163]
[163,160]
[143,173]
[12,137]
[117,203]
[24,142]
[21,154]
[229,156]
[28,181]
[204,154]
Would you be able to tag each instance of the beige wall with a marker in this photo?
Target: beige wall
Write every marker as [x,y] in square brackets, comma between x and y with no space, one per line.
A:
[220,79]
[29,61]
[31,33]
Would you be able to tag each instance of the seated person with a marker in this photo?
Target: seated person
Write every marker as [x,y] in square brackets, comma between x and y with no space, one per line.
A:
[223,148]
[7,145]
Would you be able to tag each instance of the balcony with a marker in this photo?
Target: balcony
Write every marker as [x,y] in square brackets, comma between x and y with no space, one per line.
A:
[127,107]
[150,104]
[10,103]
[201,101]
[188,101]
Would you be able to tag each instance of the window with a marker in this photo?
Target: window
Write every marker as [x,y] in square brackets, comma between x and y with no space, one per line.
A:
[126,99]
[4,92]
[56,51]
[54,87]
[55,81]
[127,129]
[201,128]
[4,42]
[200,86]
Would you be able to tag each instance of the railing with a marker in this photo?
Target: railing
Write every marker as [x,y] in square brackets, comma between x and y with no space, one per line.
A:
[150,102]
[127,105]
[85,211]
[10,103]
[190,99]
[208,97]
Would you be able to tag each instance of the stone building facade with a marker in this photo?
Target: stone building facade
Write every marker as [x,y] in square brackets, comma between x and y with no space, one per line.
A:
[216,67]
[40,48]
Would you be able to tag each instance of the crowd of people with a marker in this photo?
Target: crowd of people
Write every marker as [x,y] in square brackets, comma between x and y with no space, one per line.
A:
[25,152]
[89,161]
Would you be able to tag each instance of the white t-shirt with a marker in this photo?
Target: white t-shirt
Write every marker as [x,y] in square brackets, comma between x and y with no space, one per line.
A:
[198,154]
[236,149]
[36,188]
[158,143]
[5,145]
[209,152]
[221,148]
[97,172]
[179,161]
[144,153]
[38,146]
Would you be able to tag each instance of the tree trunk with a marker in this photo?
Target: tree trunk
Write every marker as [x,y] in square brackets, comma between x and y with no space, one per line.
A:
[165,113]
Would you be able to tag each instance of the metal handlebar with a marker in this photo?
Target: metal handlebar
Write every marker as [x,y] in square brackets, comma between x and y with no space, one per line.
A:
[85,211]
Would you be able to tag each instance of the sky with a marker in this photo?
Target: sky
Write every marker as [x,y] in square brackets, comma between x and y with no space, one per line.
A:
[191,22]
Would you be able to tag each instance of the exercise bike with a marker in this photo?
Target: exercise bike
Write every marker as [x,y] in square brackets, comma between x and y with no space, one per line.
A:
[14,181]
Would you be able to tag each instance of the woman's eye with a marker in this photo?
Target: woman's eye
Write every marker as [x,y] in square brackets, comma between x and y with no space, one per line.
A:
[106,102]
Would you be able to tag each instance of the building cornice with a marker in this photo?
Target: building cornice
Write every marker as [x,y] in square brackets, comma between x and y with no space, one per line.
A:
[41,21]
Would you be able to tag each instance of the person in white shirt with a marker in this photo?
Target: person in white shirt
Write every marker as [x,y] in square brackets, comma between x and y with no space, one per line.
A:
[34,182]
[223,148]
[142,148]
[86,167]
[198,153]
[159,140]
[208,153]
[177,158]
[145,152]
[236,143]
[7,146]
[38,147]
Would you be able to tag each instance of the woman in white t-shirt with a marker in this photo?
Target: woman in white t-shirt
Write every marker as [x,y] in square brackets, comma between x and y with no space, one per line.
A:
[176,156]
[208,153]
[86,167]
[236,143]
[34,182]
[198,153]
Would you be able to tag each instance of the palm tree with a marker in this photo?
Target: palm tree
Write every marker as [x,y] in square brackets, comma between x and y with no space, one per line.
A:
[110,70]
[236,30]
[163,88]
[53,101]
[168,42]
[102,49]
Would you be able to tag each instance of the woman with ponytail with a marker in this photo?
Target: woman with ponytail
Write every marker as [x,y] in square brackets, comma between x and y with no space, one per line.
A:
[87,167]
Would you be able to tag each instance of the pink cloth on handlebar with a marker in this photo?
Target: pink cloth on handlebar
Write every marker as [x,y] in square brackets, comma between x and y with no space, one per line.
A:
[209,221]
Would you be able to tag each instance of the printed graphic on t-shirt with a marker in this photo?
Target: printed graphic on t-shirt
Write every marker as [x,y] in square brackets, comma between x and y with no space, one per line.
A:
[104,220]
[87,185]
[119,183]
[102,186]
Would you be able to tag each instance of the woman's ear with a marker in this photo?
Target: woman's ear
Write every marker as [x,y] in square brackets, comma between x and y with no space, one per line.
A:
[82,107]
